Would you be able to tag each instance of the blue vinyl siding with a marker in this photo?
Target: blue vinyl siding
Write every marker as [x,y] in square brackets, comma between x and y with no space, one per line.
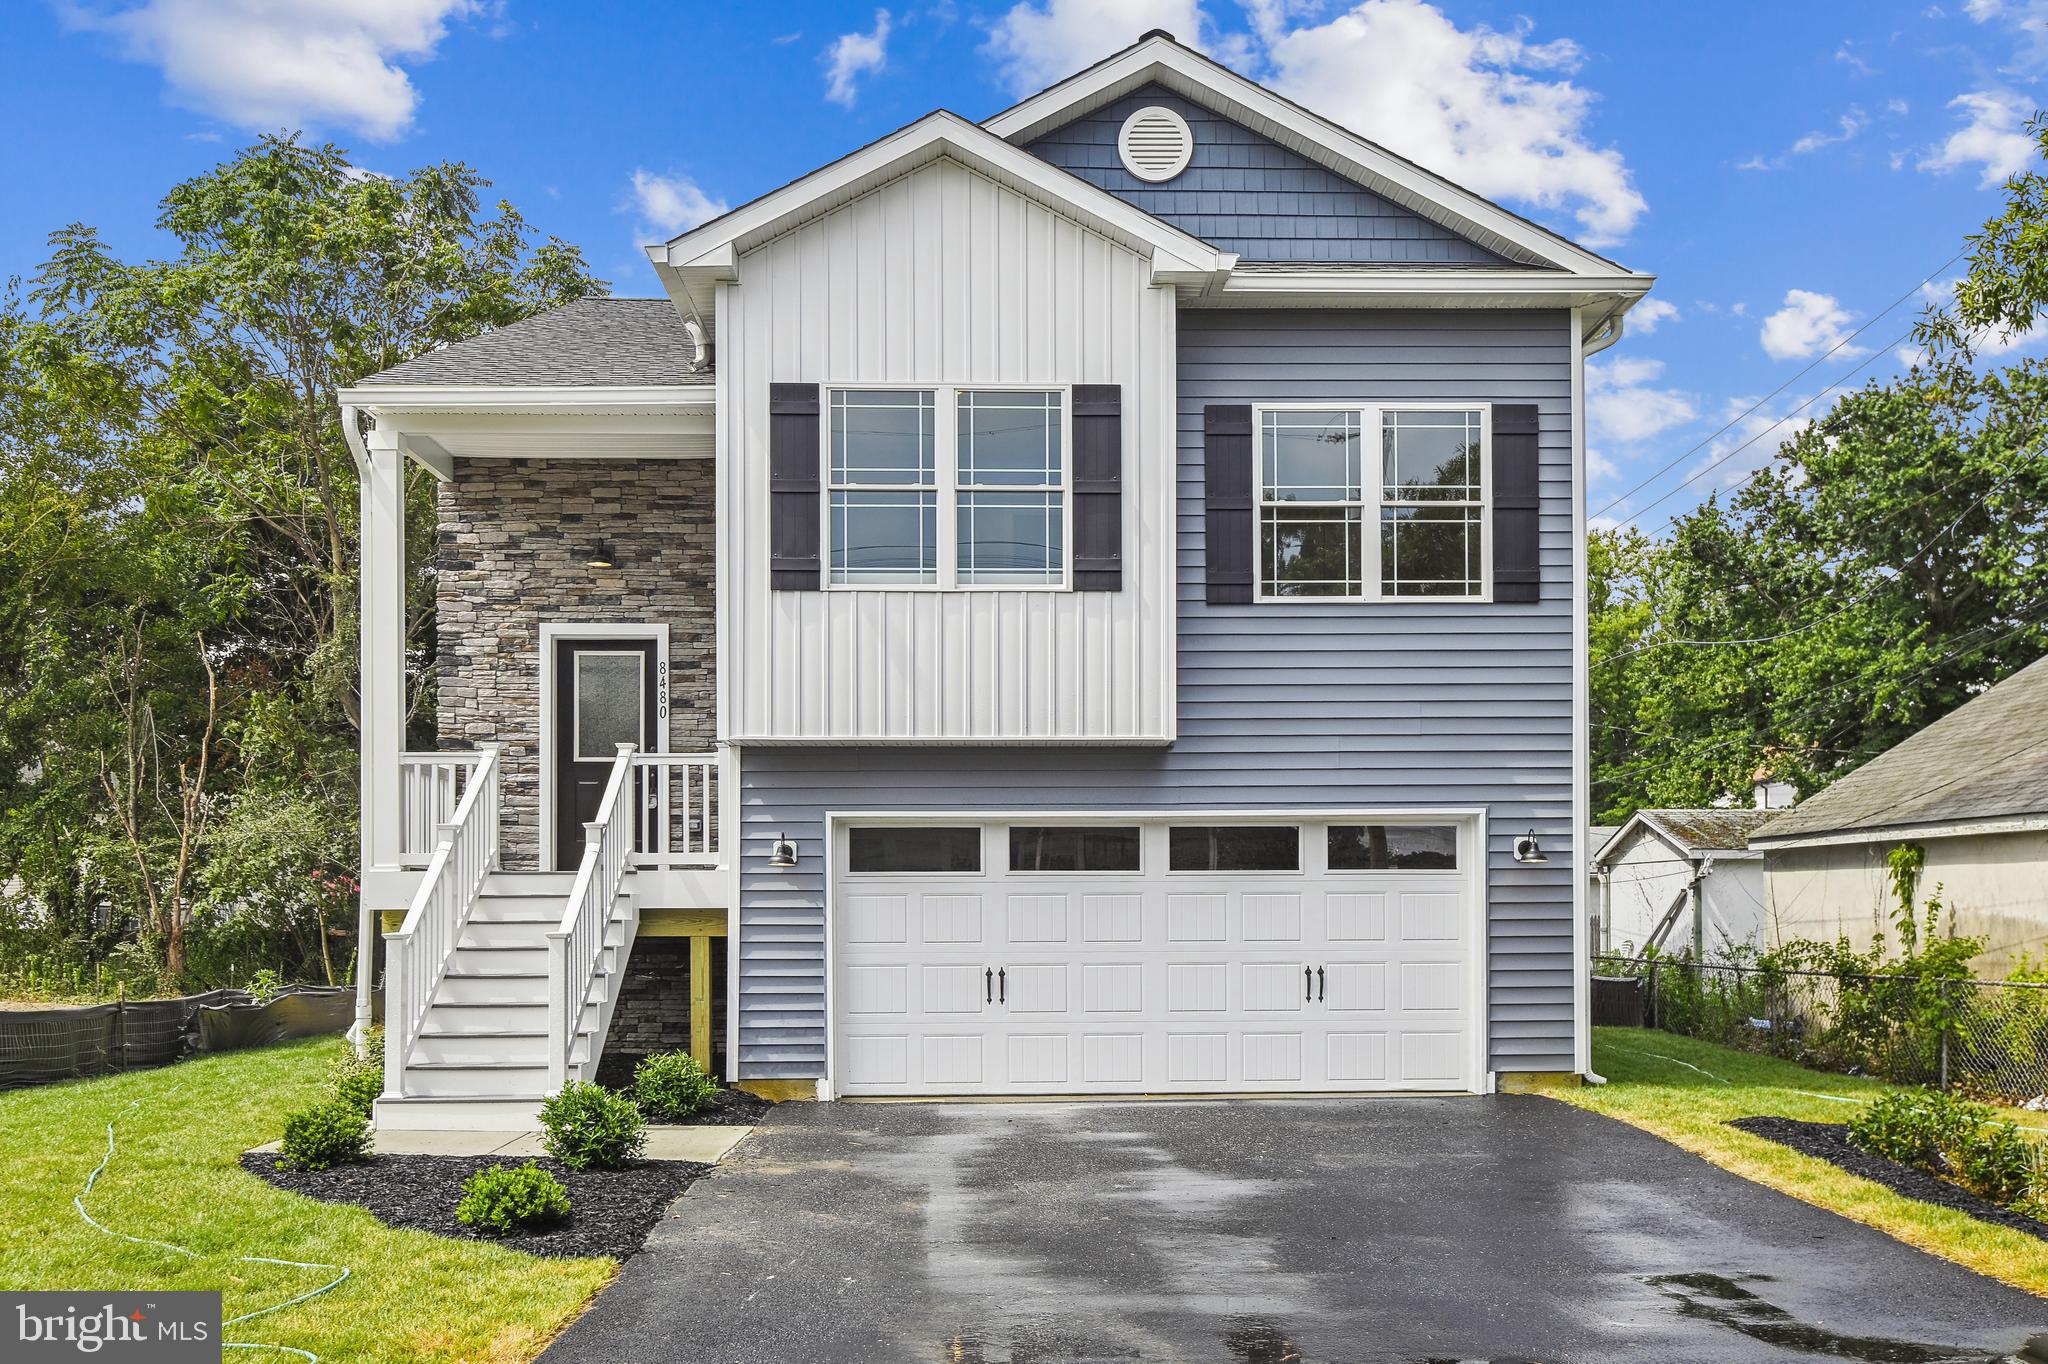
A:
[1245,193]
[1304,706]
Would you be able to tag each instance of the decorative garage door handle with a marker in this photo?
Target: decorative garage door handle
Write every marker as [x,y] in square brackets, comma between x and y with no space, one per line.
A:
[1322,986]
[1002,986]
[988,981]
[1308,983]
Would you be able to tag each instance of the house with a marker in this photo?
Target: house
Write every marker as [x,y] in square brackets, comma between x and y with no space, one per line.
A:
[1087,602]
[1597,836]
[1969,791]
[1682,881]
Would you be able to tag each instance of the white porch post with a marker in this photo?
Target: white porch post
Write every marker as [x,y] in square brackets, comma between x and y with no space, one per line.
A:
[381,632]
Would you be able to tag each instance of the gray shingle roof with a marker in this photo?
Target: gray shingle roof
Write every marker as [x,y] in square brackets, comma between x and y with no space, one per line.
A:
[592,342]
[1987,759]
[1708,830]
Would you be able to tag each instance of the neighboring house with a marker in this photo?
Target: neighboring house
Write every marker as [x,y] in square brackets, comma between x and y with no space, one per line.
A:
[1970,790]
[1102,623]
[1596,839]
[1682,881]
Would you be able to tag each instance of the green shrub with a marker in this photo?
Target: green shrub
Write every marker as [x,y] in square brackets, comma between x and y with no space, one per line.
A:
[590,1128]
[359,1080]
[502,1199]
[324,1135]
[2000,1164]
[670,1086]
[1919,1127]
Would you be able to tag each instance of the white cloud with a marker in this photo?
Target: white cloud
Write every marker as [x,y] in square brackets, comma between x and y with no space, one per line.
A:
[1621,404]
[1749,445]
[1494,111]
[1038,44]
[853,55]
[1993,136]
[265,65]
[1808,324]
[1600,467]
[671,204]
[1651,314]
[1848,125]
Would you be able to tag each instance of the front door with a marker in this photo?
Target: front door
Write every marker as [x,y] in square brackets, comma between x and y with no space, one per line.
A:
[604,697]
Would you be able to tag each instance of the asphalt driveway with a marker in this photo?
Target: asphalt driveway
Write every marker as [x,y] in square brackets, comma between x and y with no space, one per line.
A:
[1263,1232]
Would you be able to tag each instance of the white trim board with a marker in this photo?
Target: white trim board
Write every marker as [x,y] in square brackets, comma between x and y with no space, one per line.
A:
[714,250]
[1892,833]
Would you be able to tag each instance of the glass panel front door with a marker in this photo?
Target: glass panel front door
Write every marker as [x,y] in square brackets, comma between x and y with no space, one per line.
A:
[604,697]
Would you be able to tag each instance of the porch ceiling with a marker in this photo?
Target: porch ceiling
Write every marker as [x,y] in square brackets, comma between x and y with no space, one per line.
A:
[436,427]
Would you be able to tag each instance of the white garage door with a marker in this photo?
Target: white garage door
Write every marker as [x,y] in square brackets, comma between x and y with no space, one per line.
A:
[1124,958]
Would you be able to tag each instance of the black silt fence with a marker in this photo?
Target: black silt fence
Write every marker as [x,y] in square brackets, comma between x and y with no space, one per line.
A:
[38,1046]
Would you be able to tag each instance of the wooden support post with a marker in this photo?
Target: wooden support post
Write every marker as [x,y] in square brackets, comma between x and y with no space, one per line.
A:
[700,1000]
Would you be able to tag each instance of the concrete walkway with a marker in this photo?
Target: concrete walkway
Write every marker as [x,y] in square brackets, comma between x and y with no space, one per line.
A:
[704,1145]
[1322,1231]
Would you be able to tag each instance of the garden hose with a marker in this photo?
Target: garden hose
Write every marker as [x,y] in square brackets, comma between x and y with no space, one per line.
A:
[78,1202]
[1806,1093]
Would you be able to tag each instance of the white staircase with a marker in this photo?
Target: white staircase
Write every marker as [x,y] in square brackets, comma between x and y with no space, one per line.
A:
[481,1058]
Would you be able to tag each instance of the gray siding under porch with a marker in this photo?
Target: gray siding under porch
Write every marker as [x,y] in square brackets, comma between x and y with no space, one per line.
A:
[1244,192]
[1330,706]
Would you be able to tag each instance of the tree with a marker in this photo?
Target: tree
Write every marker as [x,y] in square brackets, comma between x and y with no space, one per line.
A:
[178,543]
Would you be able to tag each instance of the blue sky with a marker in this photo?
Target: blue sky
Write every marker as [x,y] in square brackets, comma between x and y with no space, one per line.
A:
[1787,170]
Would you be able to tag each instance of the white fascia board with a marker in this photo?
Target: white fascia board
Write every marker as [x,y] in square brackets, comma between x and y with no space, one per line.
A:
[540,400]
[2016,824]
[1247,102]
[713,250]
[1406,288]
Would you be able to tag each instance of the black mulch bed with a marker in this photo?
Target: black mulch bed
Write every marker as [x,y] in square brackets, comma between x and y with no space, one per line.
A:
[732,1107]
[1830,1142]
[610,1211]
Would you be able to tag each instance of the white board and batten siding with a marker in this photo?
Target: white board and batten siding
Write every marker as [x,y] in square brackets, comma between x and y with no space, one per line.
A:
[944,277]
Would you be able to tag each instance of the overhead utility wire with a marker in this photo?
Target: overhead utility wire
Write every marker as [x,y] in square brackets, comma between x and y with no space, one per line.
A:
[1754,407]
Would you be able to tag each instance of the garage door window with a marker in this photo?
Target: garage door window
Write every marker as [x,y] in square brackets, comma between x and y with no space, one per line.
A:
[1231,847]
[1074,847]
[914,848]
[1393,847]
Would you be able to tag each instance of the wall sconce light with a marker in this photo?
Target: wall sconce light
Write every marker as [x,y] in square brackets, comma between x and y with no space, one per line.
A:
[1529,852]
[782,854]
[601,556]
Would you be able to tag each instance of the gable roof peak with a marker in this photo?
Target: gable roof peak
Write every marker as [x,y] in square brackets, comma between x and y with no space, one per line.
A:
[1160,58]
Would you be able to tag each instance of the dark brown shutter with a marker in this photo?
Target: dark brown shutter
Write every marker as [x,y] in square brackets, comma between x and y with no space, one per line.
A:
[1517,571]
[793,457]
[1098,488]
[1227,497]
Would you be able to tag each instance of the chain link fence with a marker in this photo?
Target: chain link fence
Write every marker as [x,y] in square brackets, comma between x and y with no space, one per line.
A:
[1985,1037]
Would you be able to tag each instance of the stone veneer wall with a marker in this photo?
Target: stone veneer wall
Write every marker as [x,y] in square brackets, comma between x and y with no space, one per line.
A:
[514,535]
[653,1012]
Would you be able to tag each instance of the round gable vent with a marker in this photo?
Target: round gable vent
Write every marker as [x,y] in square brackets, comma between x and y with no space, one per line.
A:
[1155,144]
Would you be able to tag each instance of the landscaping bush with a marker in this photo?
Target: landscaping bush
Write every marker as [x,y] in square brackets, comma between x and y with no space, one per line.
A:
[1957,1140]
[1919,1127]
[503,1199]
[670,1086]
[590,1128]
[359,1080]
[2000,1164]
[324,1135]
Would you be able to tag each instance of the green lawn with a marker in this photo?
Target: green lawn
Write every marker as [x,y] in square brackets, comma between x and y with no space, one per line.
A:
[174,1178]
[1687,1091]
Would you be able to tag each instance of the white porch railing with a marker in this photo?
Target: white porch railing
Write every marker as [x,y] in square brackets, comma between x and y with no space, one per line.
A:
[430,786]
[575,948]
[676,816]
[465,852]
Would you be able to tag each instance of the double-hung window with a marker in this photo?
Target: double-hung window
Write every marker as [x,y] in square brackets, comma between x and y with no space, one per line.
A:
[992,512]
[1372,502]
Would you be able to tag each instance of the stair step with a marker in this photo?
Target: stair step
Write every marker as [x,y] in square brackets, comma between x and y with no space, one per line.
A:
[492,1051]
[458,1016]
[506,933]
